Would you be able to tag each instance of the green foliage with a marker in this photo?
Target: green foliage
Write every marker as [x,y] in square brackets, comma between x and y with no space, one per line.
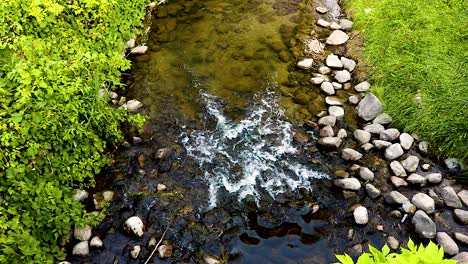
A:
[420,47]
[431,254]
[54,128]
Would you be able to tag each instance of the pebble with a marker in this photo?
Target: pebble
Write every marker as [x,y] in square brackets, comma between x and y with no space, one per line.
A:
[330,142]
[96,242]
[395,197]
[351,184]
[397,168]
[161,187]
[350,154]
[374,128]
[362,136]
[346,24]
[398,182]
[335,25]
[406,141]
[423,147]
[450,197]
[333,100]
[165,251]
[424,202]
[461,258]
[463,195]
[321,9]
[362,87]
[337,111]
[139,50]
[393,152]
[80,195]
[410,163]
[372,191]
[333,61]
[434,177]
[426,166]
[342,76]
[393,242]
[417,179]
[361,216]
[83,234]
[461,237]
[367,147]
[337,86]
[461,215]
[327,88]
[408,207]
[450,247]
[381,144]
[327,121]
[135,252]
[353,99]
[317,80]
[389,134]
[323,23]
[326,131]
[133,105]
[337,37]
[135,225]
[342,133]
[423,224]
[305,63]
[324,70]
[348,64]
[366,174]
[369,107]
[382,119]
[81,249]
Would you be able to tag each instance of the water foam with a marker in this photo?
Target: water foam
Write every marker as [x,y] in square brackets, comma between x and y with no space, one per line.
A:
[250,156]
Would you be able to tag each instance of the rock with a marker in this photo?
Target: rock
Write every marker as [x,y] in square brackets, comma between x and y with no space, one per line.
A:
[393,152]
[361,216]
[423,224]
[398,182]
[416,179]
[351,184]
[211,260]
[434,177]
[64,262]
[389,134]
[461,237]
[337,86]
[342,133]
[165,251]
[113,95]
[333,61]
[83,234]
[81,249]
[450,247]
[461,215]
[367,147]
[350,154]
[80,195]
[353,99]
[305,63]
[337,111]
[362,136]
[317,80]
[326,131]
[408,208]
[133,105]
[335,25]
[369,107]
[373,192]
[362,87]
[463,195]
[321,9]
[453,165]
[161,187]
[139,50]
[102,199]
[327,121]
[397,168]
[406,141]
[410,163]
[107,195]
[96,242]
[301,137]
[450,198]
[324,70]
[348,64]
[130,44]
[342,76]
[341,173]
[327,88]
[323,23]
[346,24]
[330,142]
[122,100]
[393,242]
[381,144]
[437,199]
[310,124]
[424,202]
[137,140]
[461,258]
[395,214]
[426,167]
[135,252]
[135,225]
[333,100]
[383,119]
[337,37]
[395,197]
[423,147]
[366,174]
[374,128]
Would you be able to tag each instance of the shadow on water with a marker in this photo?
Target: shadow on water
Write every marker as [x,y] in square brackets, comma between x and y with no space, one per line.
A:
[232,50]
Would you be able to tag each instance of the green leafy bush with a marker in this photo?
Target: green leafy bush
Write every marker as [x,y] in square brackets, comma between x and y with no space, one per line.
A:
[413,254]
[55,55]
[418,49]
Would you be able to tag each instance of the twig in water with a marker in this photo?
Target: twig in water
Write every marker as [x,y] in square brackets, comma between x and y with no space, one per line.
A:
[156,247]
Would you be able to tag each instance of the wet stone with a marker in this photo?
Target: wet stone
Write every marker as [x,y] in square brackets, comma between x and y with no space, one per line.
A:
[164,251]
[397,168]
[408,208]
[450,197]
[133,105]
[324,70]
[337,111]
[334,25]
[348,64]
[346,24]
[81,249]
[450,247]
[323,23]
[389,134]
[353,100]
[342,133]
[366,174]
[426,167]
[374,128]
[342,76]
[410,163]
[333,100]
[327,121]
[321,10]
[135,252]
[333,61]
[362,87]
[393,152]
[461,215]
[361,216]
[301,137]
[350,154]
[139,50]
[372,191]
[439,202]
[362,136]
[326,131]
[395,214]
[337,86]
[381,144]
[416,179]
[337,37]
[330,142]
[367,147]
[327,88]
[461,237]
[317,80]
[83,234]
[351,184]
[135,225]
[463,195]
[398,182]
[96,242]
[423,224]
[395,197]
[434,177]
[424,202]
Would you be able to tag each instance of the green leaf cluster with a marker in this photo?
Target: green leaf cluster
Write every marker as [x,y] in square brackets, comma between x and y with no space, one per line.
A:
[55,55]
[413,254]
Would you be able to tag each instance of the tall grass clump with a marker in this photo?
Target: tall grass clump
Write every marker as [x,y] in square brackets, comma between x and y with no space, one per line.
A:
[419,53]
[55,55]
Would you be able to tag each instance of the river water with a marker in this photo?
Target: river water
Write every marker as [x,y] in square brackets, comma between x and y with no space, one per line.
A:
[223,99]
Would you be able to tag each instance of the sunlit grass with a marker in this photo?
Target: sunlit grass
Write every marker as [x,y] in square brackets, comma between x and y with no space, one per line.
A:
[420,47]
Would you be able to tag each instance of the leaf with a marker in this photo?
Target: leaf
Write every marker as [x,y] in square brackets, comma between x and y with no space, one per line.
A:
[344,259]
[376,254]
[385,250]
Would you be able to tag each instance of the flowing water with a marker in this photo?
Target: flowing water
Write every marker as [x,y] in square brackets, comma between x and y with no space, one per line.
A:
[223,99]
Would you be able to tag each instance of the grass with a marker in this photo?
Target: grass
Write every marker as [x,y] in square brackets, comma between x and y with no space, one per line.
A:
[420,47]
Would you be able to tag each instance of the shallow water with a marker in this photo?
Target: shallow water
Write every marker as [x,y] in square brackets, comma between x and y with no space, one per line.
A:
[224,98]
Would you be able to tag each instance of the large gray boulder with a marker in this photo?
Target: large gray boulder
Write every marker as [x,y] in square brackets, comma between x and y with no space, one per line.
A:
[423,225]
[369,107]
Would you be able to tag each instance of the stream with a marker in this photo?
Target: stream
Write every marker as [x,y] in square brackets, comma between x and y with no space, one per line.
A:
[225,105]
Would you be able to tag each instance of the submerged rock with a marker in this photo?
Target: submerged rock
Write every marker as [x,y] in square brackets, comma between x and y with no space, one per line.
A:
[369,107]
[337,37]
[423,224]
